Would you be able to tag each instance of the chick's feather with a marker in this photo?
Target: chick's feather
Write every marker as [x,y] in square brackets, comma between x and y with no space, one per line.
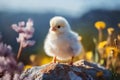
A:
[62,45]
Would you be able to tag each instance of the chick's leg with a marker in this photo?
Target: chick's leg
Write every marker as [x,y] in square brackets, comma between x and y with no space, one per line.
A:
[54,59]
[71,62]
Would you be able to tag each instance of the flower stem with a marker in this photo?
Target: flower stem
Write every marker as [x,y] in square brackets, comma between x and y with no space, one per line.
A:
[19,51]
[100,35]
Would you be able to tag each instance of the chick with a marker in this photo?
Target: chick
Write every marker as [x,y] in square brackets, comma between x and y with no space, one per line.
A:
[61,42]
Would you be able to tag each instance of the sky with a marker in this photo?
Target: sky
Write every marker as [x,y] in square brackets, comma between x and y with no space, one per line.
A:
[69,7]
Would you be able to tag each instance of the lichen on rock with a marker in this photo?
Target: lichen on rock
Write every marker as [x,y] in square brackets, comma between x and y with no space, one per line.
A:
[80,70]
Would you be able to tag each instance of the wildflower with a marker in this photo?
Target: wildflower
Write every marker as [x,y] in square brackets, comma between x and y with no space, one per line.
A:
[32,58]
[100,25]
[101,49]
[117,42]
[102,44]
[118,37]
[111,52]
[16,76]
[45,60]
[25,33]
[89,55]
[110,38]
[8,65]
[5,49]
[110,30]
[119,25]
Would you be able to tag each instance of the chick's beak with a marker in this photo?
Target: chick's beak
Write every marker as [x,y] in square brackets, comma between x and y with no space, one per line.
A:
[53,29]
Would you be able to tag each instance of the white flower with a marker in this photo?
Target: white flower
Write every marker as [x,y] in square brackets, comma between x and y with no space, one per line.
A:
[25,32]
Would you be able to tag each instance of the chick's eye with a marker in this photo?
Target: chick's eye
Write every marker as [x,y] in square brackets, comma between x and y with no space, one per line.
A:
[58,26]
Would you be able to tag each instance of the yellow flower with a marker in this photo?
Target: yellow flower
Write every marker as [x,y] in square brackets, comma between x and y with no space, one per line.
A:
[111,51]
[102,44]
[110,30]
[118,37]
[100,25]
[119,25]
[89,55]
[27,67]
[101,61]
[32,57]
[108,51]
[45,60]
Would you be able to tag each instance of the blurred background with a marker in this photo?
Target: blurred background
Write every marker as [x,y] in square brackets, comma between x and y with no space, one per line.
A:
[90,18]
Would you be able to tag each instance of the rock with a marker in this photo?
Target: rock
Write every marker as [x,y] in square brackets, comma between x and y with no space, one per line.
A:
[95,70]
[80,70]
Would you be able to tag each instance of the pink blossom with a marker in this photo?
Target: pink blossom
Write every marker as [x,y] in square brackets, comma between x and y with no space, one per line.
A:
[8,64]
[5,49]
[21,24]
[21,28]
[28,43]
[25,32]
